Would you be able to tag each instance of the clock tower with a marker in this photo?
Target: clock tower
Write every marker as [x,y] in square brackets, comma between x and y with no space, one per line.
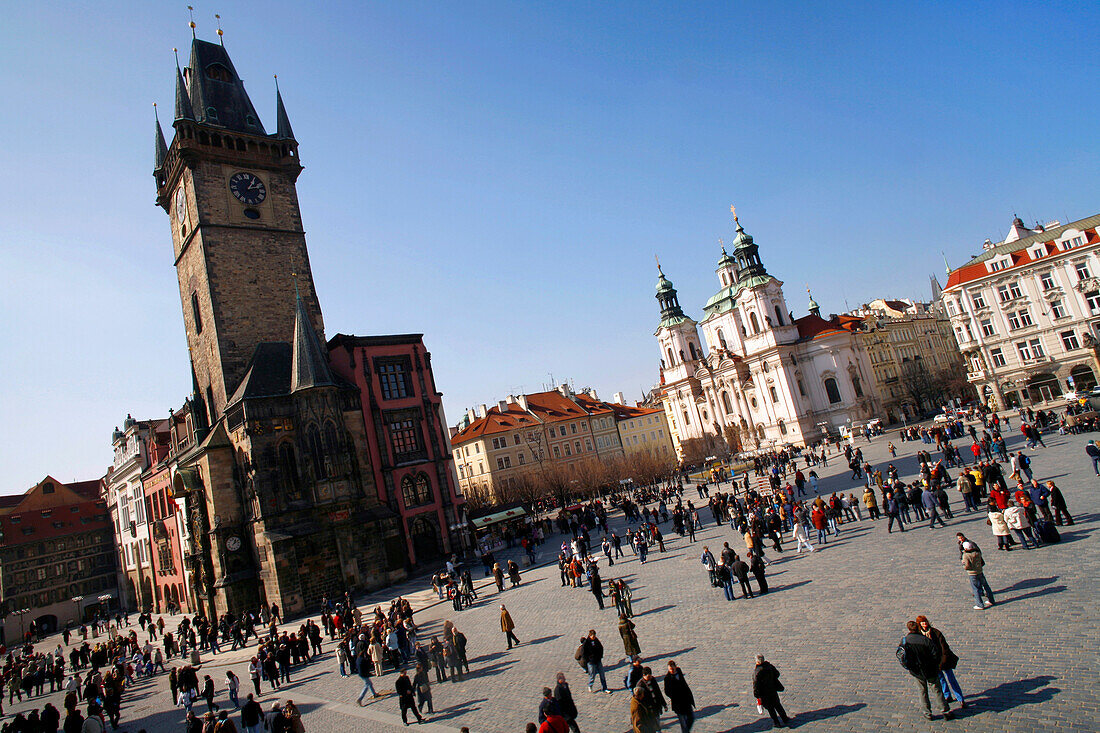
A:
[278,483]
[228,188]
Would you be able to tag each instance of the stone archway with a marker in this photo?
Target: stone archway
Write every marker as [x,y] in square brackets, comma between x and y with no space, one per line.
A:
[1043,387]
[1083,378]
[425,539]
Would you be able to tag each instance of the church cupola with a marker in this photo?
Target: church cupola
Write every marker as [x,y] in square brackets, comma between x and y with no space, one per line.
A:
[750,270]
[671,313]
[727,269]
[813,307]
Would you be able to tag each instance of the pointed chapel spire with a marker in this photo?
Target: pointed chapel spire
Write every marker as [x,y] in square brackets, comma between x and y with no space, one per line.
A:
[283,130]
[309,368]
[183,99]
[161,146]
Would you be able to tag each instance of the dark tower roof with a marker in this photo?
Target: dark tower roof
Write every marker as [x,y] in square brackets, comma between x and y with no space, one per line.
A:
[309,367]
[183,101]
[217,92]
[161,148]
[283,130]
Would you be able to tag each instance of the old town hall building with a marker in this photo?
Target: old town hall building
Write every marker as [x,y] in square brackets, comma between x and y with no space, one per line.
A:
[756,376]
[281,499]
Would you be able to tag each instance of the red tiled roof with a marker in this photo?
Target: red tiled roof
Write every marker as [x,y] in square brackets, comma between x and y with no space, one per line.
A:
[977,269]
[811,327]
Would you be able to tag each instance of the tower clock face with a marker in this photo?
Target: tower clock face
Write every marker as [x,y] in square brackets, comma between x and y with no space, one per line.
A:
[233,543]
[181,206]
[248,188]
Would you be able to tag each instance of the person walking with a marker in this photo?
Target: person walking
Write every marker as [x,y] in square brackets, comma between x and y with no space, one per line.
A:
[423,686]
[921,658]
[766,688]
[1093,452]
[893,513]
[592,656]
[232,684]
[643,718]
[756,566]
[799,535]
[208,693]
[973,564]
[252,715]
[931,506]
[948,661]
[1058,505]
[630,637]
[363,666]
[725,579]
[679,697]
[1017,520]
[563,696]
[507,625]
[404,688]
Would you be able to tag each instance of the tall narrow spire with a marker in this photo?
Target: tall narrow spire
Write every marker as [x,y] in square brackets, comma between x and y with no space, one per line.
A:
[309,367]
[183,99]
[283,130]
[161,146]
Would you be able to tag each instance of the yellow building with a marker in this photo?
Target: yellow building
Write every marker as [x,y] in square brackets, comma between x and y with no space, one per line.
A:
[644,430]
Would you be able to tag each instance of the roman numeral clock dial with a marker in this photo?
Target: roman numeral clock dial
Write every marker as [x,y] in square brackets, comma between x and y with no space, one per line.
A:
[247,188]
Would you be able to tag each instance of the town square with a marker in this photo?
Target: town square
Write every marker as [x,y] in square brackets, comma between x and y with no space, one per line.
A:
[610,389]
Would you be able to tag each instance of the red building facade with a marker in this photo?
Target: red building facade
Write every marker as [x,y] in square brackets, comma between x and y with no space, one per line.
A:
[408,440]
[170,593]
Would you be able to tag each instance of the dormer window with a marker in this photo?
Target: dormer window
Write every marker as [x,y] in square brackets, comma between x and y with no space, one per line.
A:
[218,72]
[1038,252]
[1001,264]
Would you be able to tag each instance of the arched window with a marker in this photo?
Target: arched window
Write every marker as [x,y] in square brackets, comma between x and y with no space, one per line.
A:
[332,443]
[693,350]
[782,428]
[726,403]
[671,360]
[687,420]
[778,316]
[408,492]
[856,386]
[423,489]
[721,338]
[832,391]
[316,452]
[754,322]
[288,465]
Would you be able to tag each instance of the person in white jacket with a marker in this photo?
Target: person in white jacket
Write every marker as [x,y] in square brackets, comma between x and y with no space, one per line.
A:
[999,526]
[799,535]
[1016,519]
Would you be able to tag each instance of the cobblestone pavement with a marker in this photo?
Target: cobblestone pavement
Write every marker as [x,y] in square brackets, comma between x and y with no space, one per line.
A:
[830,624]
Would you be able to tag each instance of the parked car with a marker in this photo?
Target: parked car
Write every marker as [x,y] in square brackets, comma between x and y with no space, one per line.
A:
[941,418]
[1073,396]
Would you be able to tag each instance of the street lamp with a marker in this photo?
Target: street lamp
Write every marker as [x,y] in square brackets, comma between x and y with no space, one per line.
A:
[76,602]
[21,613]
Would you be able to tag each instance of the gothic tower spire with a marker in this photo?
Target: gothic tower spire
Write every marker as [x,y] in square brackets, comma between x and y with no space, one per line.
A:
[309,367]
[183,99]
[283,130]
[161,147]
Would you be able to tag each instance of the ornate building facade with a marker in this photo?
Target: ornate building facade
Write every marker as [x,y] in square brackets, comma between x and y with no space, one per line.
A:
[280,494]
[749,372]
[1026,313]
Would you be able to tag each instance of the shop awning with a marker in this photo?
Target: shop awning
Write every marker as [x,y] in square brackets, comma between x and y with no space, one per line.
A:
[498,517]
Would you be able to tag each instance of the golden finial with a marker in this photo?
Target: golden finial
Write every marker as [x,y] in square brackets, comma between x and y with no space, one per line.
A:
[191,12]
[733,210]
[219,19]
[658,259]
[155,112]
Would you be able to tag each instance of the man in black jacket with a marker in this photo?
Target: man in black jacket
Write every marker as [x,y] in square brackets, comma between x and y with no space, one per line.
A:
[592,655]
[564,698]
[923,662]
[679,697]
[404,688]
[741,570]
[766,688]
[654,700]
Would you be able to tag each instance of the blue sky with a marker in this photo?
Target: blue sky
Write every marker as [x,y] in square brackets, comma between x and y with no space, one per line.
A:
[499,177]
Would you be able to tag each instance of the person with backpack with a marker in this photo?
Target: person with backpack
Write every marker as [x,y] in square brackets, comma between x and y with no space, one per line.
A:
[948,661]
[920,657]
[592,657]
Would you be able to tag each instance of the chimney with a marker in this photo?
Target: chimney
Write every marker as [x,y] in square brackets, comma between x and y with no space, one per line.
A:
[483,410]
[522,400]
[618,398]
[502,406]
[564,389]
[511,399]
[470,414]
[453,431]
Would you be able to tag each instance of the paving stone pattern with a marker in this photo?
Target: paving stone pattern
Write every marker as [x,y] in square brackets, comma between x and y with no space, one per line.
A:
[830,624]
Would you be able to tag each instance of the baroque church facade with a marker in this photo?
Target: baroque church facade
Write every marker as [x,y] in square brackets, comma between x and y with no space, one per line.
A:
[279,491]
[751,373]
